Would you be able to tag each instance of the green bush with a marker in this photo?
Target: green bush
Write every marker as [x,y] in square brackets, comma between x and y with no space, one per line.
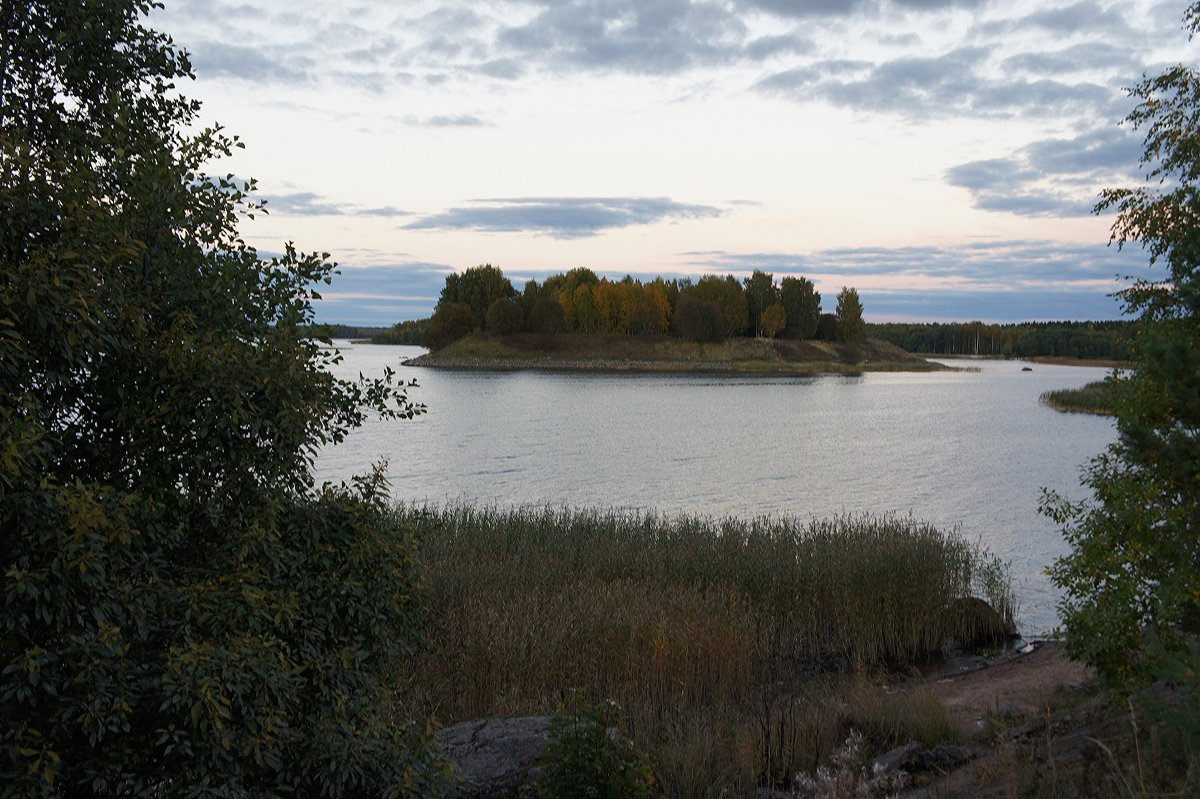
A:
[182,613]
[588,757]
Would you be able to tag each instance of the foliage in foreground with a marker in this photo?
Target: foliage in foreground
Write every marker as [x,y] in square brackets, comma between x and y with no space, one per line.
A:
[729,643]
[589,756]
[182,613]
[1133,572]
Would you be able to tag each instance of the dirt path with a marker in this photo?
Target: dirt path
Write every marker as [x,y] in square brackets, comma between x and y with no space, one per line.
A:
[1019,686]
[1009,710]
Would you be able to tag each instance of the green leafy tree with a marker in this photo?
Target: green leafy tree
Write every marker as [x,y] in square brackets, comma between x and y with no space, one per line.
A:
[545,316]
[477,288]
[505,317]
[1133,572]
[183,613]
[699,320]
[449,323]
[761,293]
[850,326]
[726,294]
[802,302]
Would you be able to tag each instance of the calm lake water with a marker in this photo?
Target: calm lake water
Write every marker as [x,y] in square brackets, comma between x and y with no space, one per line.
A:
[969,450]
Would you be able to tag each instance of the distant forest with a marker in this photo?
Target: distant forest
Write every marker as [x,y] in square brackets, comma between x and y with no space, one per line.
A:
[1105,340]
[710,309]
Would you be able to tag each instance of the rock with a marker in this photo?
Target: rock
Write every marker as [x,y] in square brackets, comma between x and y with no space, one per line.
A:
[1008,711]
[1027,730]
[495,758]
[898,759]
[977,624]
[943,758]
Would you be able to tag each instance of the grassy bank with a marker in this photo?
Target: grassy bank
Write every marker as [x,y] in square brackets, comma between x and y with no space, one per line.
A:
[599,352]
[1096,397]
[739,649]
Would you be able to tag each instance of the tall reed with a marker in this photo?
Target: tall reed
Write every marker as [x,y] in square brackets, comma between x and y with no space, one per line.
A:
[681,618]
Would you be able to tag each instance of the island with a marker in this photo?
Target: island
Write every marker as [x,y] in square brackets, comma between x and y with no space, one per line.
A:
[601,352]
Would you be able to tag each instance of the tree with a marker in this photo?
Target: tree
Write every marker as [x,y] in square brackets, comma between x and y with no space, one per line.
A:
[761,293]
[1131,581]
[449,323]
[183,613]
[850,328]
[774,319]
[477,288]
[726,294]
[504,317]
[546,316]
[802,302]
[699,320]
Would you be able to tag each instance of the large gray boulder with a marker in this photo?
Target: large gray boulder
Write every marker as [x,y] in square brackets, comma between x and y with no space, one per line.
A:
[495,758]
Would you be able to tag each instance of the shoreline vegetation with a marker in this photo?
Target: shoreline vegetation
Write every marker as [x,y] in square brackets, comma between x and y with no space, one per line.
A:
[1097,397]
[741,652]
[666,354]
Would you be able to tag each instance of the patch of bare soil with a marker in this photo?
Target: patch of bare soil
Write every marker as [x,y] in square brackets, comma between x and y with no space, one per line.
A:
[1037,725]
[1012,685]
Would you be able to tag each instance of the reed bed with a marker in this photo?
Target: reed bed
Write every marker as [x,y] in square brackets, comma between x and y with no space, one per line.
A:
[710,632]
[1097,397]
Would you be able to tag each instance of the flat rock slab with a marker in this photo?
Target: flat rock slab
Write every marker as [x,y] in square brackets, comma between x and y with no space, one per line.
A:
[495,758]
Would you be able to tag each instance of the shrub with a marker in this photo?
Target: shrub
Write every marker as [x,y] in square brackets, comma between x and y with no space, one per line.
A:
[588,757]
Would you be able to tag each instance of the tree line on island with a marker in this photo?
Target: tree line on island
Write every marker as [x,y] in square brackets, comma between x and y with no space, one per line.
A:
[712,308]
[708,309]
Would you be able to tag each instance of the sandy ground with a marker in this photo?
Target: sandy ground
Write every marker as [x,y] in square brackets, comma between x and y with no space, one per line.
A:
[1020,685]
[1011,709]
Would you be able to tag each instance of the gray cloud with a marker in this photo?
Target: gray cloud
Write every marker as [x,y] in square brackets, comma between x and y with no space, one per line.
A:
[937,86]
[561,217]
[979,264]
[1054,177]
[1083,17]
[804,9]
[1085,56]
[381,295]
[258,64]
[455,121]
[307,203]
[645,37]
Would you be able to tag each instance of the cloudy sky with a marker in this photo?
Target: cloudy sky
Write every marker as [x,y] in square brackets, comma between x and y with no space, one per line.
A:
[942,156]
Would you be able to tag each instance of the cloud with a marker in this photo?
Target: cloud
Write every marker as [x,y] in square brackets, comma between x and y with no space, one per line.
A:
[1078,18]
[561,217]
[381,295]
[307,203]
[257,64]
[652,38]
[950,84]
[1053,177]
[992,265]
[1086,56]
[455,121]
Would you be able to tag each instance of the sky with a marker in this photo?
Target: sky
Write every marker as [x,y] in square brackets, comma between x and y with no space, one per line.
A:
[940,156]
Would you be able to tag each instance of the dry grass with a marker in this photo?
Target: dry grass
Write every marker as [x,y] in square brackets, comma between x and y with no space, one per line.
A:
[731,644]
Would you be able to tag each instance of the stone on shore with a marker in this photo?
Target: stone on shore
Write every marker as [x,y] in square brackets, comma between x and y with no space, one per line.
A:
[495,758]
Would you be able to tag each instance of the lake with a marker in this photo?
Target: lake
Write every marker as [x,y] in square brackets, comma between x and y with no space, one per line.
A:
[967,449]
